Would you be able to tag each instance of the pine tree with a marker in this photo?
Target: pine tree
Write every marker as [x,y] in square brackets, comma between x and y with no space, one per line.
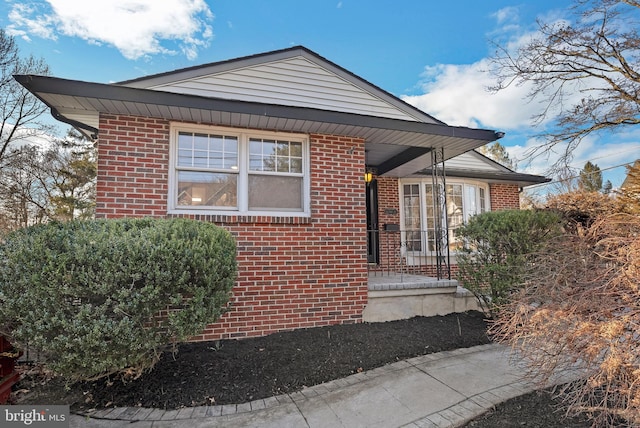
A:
[71,168]
[590,178]
[498,153]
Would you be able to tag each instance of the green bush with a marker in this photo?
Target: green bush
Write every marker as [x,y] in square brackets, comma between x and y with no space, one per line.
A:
[107,296]
[496,249]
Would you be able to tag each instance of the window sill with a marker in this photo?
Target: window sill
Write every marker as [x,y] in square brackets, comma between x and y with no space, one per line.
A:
[236,218]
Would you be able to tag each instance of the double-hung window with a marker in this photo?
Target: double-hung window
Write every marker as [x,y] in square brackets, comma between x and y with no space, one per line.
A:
[225,171]
[419,207]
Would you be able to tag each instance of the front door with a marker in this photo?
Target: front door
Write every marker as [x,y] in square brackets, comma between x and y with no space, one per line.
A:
[373,233]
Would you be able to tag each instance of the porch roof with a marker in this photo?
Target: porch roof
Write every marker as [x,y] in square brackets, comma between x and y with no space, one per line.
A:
[520,179]
[397,147]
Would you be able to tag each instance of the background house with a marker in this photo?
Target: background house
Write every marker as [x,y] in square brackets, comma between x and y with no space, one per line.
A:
[274,147]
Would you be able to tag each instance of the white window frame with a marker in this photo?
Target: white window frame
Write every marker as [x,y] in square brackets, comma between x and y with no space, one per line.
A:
[243,137]
[424,222]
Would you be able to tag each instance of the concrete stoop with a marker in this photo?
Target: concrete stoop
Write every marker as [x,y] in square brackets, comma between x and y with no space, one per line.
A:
[406,296]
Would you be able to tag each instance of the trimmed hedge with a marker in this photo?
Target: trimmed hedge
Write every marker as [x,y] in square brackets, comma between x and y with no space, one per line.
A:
[107,296]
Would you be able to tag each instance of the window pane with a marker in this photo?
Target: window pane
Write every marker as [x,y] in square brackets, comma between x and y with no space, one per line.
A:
[454,205]
[185,157]
[471,201]
[216,143]
[296,150]
[275,155]
[207,151]
[296,157]
[455,214]
[282,164]
[296,165]
[201,142]
[207,189]
[268,155]
[411,195]
[273,192]
[185,149]
[200,158]
[483,206]
[230,153]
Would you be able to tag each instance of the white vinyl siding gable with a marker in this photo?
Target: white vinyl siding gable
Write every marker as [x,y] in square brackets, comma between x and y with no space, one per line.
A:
[296,82]
[474,162]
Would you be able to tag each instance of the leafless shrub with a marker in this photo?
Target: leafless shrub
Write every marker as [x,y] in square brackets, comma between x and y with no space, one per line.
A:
[580,309]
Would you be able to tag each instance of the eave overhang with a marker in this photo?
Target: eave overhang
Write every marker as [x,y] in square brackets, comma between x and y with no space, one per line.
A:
[80,103]
[506,177]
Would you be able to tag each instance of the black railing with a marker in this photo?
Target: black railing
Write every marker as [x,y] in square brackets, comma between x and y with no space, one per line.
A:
[392,251]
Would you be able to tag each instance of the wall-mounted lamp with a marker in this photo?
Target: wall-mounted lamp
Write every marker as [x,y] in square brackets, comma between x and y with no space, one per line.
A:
[368,176]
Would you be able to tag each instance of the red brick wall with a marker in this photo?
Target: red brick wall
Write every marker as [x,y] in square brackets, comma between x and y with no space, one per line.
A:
[504,196]
[133,167]
[292,272]
[388,200]
[388,213]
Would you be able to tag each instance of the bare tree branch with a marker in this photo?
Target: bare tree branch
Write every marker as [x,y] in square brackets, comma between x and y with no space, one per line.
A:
[586,73]
[18,107]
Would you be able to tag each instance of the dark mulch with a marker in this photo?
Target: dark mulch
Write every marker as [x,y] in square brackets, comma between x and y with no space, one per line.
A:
[538,409]
[238,371]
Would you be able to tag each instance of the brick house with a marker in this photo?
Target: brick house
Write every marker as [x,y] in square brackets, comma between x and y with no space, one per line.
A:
[342,198]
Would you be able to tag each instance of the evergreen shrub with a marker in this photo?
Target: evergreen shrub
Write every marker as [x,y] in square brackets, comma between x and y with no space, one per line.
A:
[99,297]
[498,245]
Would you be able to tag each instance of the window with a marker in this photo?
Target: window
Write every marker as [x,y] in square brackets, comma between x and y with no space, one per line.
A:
[412,216]
[419,211]
[221,170]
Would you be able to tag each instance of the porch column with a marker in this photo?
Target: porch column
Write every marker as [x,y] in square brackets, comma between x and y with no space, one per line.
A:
[440,226]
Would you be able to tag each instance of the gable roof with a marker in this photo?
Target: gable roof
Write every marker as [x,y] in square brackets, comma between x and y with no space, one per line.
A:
[294,77]
[475,165]
[252,92]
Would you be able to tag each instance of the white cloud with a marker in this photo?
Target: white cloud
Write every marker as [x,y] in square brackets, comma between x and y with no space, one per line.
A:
[459,95]
[508,14]
[23,27]
[137,28]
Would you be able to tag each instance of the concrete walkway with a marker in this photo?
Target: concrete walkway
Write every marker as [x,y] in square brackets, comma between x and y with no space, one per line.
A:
[446,389]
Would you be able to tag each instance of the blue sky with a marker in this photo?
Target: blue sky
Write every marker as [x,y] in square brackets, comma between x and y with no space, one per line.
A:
[431,54]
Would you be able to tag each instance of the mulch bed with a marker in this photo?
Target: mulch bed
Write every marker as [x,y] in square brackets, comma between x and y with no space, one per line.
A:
[238,371]
[538,409]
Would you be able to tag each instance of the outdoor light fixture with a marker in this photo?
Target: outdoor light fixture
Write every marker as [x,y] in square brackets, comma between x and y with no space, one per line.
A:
[368,176]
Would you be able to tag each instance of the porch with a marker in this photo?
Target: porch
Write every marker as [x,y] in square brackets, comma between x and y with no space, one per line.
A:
[409,274]
[398,295]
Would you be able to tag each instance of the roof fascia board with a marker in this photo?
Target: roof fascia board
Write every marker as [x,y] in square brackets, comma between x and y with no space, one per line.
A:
[484,175]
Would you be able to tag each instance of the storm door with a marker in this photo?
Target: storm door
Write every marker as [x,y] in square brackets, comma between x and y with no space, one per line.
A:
[373,232]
